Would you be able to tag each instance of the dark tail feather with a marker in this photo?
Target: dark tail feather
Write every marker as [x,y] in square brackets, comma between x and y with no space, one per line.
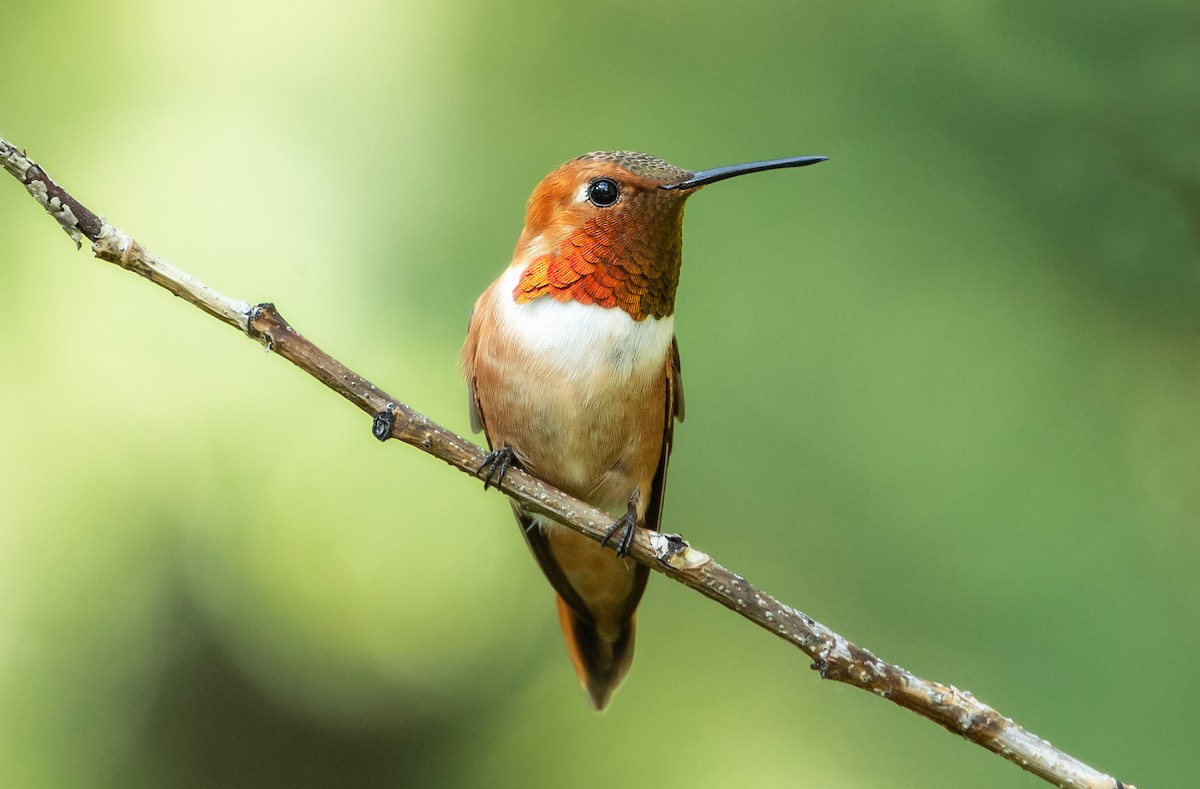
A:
[600,663]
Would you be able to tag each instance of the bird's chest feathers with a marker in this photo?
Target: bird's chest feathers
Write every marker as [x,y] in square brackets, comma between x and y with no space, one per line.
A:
[577,390]
[587,345]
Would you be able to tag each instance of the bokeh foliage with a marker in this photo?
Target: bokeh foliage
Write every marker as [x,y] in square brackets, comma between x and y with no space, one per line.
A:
[943,390]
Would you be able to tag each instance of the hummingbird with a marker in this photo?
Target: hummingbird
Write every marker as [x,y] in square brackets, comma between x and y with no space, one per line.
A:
[573,374]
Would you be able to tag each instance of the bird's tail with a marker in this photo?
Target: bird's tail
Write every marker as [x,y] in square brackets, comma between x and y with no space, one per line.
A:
[600,660]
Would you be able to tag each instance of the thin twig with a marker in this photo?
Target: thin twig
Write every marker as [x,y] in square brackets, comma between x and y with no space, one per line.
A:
[833,656]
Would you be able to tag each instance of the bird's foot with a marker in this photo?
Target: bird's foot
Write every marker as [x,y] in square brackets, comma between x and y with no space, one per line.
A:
[623,528]
[496,465]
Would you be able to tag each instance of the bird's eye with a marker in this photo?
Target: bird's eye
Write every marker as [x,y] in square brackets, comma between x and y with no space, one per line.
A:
[603,192]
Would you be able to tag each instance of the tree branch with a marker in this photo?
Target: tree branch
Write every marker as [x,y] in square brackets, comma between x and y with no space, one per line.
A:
[833,656]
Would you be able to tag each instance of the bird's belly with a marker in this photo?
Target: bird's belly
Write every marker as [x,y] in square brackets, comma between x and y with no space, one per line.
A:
[579,392]
[585,440]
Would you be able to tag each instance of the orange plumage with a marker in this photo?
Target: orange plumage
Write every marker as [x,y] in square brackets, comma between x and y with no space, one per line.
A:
[609,266]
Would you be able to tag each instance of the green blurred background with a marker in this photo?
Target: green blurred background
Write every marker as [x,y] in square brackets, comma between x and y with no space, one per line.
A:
[943,390]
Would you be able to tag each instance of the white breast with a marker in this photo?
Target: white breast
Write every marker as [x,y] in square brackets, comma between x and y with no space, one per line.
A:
[577,341]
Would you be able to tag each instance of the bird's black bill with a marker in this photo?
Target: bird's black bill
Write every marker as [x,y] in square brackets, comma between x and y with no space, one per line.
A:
[721,173]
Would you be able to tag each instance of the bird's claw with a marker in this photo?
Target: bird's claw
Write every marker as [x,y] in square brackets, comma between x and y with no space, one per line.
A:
[623,528]
[495,466]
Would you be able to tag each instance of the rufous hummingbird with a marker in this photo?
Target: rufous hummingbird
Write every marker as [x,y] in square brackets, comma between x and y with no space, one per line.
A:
[573,371]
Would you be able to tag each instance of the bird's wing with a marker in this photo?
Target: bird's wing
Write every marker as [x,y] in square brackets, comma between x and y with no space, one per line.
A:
[467,362]
[674,411]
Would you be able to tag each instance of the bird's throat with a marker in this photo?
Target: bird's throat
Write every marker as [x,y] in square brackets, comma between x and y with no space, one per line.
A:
[598,264]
